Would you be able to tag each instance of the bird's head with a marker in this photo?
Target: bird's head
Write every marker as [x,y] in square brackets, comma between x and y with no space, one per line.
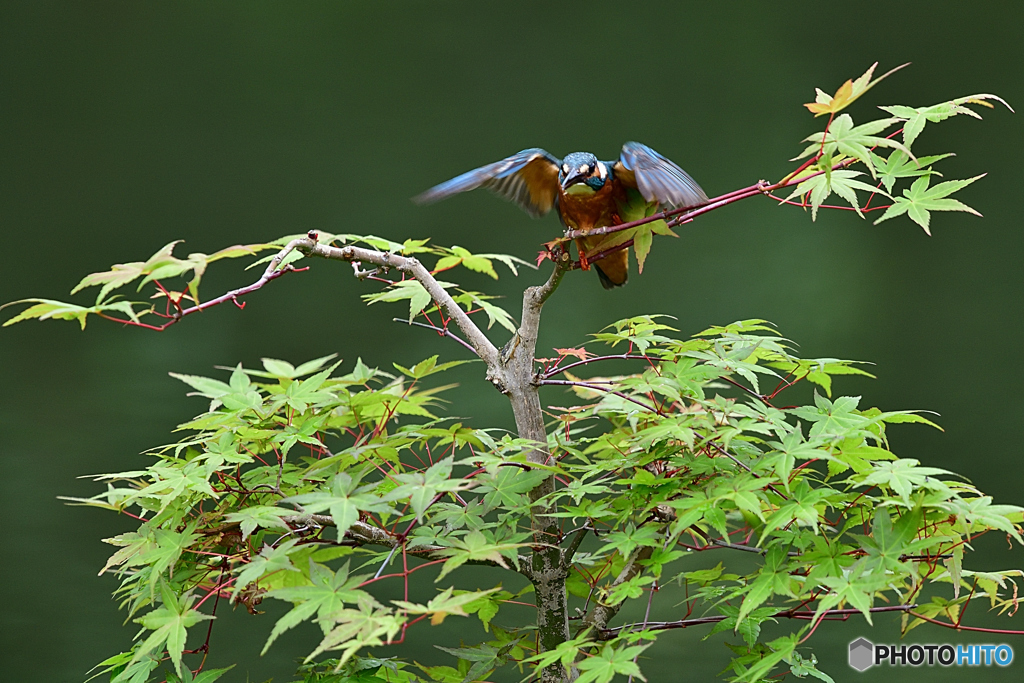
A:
[582,172]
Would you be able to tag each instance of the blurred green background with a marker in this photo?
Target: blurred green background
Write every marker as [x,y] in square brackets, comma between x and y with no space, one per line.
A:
[127,125]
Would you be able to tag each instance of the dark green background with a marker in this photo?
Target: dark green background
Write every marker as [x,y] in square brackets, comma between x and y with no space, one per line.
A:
[126,125]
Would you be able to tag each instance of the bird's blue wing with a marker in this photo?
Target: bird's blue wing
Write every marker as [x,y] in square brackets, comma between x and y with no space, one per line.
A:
[529,178]
[657,178]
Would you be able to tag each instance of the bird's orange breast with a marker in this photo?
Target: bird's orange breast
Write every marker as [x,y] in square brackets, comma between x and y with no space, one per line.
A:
[590,210]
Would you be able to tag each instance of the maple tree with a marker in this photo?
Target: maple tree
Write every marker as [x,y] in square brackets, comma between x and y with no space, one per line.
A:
[314,484]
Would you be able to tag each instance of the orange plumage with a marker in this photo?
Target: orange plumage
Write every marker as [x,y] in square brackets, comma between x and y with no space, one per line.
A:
[589,194]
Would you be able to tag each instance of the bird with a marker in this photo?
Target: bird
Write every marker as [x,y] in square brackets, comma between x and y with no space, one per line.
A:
[587,192]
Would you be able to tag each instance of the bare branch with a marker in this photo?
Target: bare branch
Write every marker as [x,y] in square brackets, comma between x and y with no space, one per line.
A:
[481,345]
[609,633]
[622,356]
[599,617]
[598,387]
[957,627]
[273,271]
[367,534]
[439,330]
[685,215]
[573,546]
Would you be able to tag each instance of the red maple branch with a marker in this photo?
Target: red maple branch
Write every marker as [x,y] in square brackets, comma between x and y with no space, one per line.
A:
[837,614]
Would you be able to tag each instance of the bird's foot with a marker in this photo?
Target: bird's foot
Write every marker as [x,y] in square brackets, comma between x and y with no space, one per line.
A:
[584,261]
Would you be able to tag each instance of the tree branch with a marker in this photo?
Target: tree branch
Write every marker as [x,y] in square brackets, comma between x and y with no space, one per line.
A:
[573,546]
[518,381]
[367,534]
[551,372]
[598,387]
[609,633]
[686,214]
[435,328]
[599,617]
[272,272]
[957,627]
[481,345]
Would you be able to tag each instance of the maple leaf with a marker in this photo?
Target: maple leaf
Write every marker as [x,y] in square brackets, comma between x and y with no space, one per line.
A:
[845,139]
[841,182]
[847,93]
[899,165]
[463,257]
[443,605]
[917,118]
[580,353]
[920,200]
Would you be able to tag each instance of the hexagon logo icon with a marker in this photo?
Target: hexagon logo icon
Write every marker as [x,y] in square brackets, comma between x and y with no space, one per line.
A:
[862,654]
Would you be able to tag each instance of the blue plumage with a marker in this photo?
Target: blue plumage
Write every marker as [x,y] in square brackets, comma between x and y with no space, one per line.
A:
[509,178]
[532,178]
[589,193]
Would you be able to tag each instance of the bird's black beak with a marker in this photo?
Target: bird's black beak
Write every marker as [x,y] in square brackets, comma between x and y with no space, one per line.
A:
[572,177]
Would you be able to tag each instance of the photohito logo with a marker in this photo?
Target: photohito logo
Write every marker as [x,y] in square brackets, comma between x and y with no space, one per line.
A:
[864,654]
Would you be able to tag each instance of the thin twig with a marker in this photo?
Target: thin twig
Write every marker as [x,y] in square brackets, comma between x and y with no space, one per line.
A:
[624,356]
[598,387]
[609,633]
[573,546]
[440,330]
[966,628]
[475,337]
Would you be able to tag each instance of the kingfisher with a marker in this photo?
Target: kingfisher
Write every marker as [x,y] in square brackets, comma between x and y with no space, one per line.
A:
[589,193]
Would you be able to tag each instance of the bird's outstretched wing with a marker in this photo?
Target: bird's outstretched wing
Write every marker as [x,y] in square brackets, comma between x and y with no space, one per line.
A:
[657,178]
[529,178]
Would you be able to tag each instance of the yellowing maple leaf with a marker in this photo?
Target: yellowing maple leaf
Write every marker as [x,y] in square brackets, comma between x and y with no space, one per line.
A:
[847,93]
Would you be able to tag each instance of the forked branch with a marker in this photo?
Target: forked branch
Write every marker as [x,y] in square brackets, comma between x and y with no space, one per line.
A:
[483,347]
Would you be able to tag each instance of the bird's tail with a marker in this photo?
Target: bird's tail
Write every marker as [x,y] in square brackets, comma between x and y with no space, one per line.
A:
[613,270]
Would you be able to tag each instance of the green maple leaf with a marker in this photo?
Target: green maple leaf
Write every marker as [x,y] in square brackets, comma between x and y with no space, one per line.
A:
[981,511]
[444,604]
[420,488]
[901,476]
[368,626]
[300,394]
[460,256]
[612,660]
[44,309]
[920,200]
[916,118]
[843,182]
[856,587]
[495,314]
[406,290]
[169,547]
[263,516]
[269,560]
[328,595]
[280,369]
[627,539]
[634,208]
[844,138]
[344,500]
[473,546]
[169,624]
[899,165]
[833,419]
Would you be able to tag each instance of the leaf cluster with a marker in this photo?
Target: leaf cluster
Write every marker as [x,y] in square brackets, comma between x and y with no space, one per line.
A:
[887,158]
[173,304]
[311,486]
